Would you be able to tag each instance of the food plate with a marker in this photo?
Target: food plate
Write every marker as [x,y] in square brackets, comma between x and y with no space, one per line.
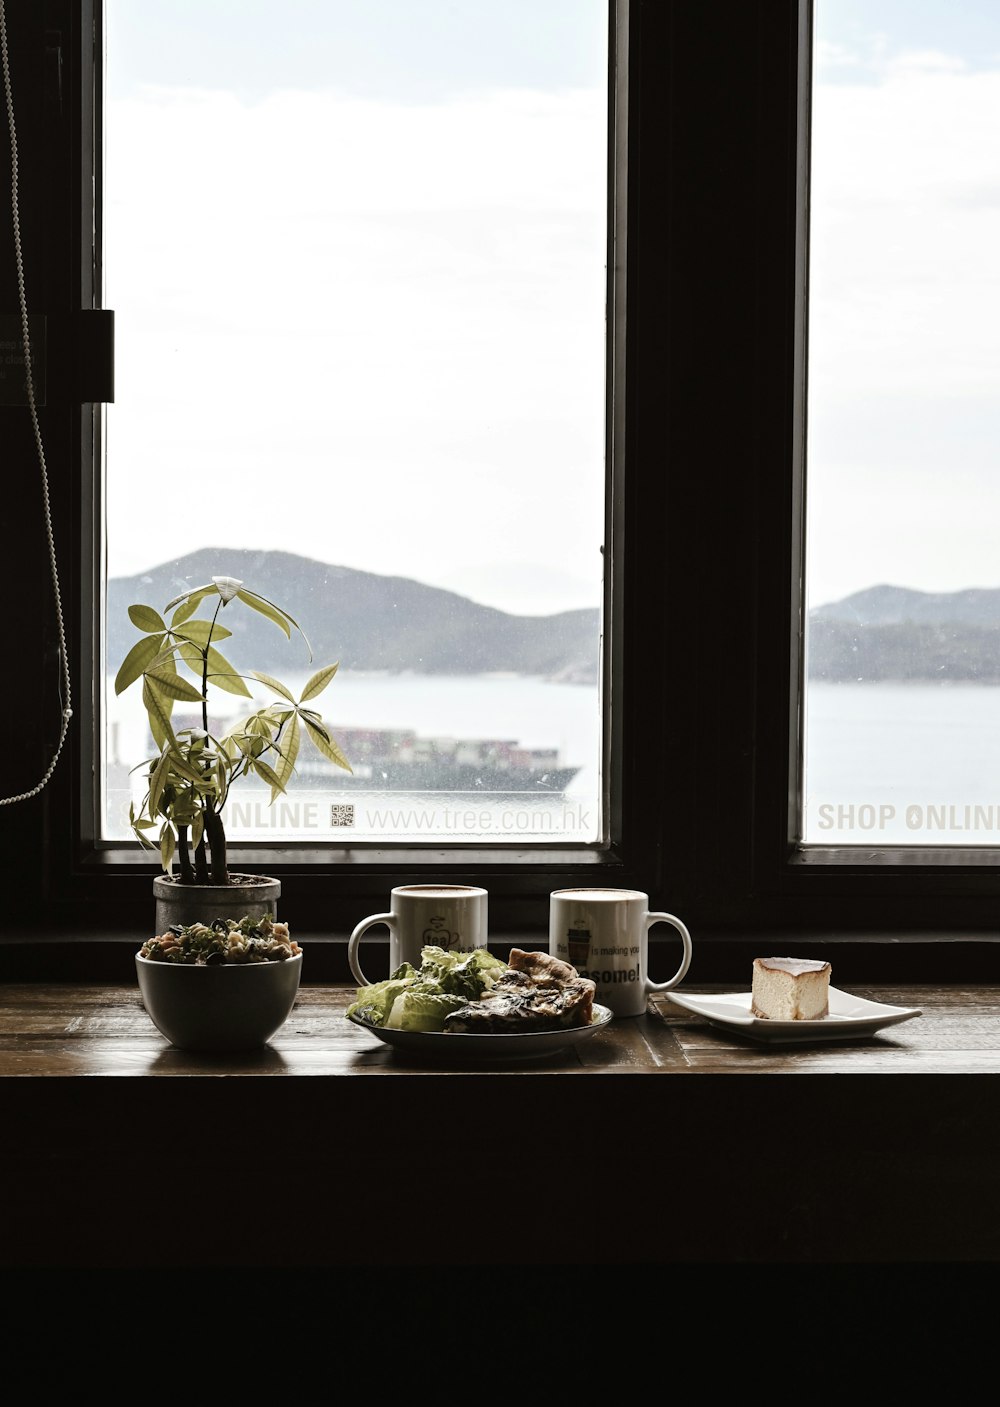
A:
[850,1017]
[523,1045]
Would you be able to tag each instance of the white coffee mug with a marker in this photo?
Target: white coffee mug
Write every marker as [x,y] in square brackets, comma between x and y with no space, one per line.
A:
[604,934]
[449,916]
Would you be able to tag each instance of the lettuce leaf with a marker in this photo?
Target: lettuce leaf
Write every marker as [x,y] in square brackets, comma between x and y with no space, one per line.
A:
[419,999]
[419,1009]
[467,973]
[374,1002]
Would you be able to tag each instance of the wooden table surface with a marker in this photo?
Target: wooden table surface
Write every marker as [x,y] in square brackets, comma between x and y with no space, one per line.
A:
[889,1153]
[51,1029]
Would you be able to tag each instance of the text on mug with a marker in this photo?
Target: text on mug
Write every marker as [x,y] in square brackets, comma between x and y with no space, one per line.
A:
[607,978]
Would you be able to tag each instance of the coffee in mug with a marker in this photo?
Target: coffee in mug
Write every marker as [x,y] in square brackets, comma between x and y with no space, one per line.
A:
[449,916]
[604,934]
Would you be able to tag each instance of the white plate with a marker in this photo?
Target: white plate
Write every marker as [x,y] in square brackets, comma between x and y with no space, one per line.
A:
[850,1017]
[523,1045]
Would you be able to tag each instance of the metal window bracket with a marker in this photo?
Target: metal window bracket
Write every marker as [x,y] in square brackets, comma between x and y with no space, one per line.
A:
[95,354]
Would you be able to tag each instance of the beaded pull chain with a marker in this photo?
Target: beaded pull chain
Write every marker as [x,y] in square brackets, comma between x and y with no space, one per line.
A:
[65,689]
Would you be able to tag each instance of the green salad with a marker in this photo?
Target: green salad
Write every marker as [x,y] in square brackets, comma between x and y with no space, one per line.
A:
[419,998]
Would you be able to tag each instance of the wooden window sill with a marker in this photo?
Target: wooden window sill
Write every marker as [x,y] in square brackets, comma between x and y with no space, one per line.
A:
[853,1164]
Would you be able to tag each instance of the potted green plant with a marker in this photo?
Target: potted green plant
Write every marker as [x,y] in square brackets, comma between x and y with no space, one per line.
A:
[191,774]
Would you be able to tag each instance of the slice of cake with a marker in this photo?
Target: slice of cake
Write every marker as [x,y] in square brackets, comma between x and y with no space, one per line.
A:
[790,989]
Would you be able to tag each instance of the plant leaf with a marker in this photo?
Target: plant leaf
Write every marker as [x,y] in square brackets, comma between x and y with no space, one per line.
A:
[192,657]
[135,663]
[318,682]
[158,712]
[233,746]
[225,676]
[288,750]
[325,743]
[269,775]
[227,587]
[261,723]
[179,763]
[166,659]
[184,611]
[172,685]
[220,671]
[200,631]
[267,608]
[157,779]
[146,619]
[168,844]
[274,684]
[194,597]
[145,840]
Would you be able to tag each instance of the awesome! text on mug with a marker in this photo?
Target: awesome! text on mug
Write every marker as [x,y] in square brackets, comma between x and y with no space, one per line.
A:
[604,934]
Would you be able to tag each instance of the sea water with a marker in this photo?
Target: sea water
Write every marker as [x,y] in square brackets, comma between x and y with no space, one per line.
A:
[527,711]
[915,764]
[902,764]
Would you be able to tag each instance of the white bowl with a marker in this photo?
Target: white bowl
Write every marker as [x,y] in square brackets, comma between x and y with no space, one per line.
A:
[223,1006]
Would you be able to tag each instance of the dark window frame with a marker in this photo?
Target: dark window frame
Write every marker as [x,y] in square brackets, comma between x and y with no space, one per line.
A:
[705,621]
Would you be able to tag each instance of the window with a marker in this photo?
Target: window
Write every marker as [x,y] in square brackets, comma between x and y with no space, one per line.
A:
[902,740]
[360,287]
[705,626]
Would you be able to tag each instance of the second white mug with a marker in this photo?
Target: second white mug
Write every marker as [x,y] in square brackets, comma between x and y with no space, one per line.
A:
[604,934]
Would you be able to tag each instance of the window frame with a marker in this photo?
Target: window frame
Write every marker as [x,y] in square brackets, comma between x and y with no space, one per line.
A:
[364,870]
[704,616]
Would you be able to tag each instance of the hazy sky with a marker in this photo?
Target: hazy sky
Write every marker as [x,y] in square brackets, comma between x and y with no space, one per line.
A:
[356,255]
[357,259]
[904,369]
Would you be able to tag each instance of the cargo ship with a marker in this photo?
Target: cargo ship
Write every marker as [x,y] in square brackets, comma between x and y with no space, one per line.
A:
[399,759]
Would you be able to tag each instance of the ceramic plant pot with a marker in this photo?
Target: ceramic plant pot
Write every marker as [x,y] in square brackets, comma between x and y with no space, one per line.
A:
[223,1007]
[246,896]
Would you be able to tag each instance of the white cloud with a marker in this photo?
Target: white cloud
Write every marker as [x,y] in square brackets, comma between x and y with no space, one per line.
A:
[386,322]
[905,330]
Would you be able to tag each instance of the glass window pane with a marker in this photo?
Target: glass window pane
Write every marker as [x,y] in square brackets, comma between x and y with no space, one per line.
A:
[358,258]
[902,740]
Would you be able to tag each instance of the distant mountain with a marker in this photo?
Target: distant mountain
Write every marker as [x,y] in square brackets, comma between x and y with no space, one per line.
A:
[892,633]
[363,620]
[898,605]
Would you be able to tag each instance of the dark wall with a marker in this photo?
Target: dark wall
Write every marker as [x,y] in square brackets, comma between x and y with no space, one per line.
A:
[43,41]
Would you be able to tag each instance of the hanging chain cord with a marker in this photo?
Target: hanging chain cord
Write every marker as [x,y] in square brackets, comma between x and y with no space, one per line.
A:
[65,690]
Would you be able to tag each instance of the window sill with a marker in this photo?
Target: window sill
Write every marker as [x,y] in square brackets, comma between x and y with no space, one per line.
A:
[883,1157]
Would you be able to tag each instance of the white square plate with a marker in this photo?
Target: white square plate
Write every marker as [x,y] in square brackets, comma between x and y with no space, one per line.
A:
[850,1017]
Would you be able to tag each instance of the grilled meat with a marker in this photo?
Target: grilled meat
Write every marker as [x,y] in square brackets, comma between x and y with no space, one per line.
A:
[537,993]
[542,968]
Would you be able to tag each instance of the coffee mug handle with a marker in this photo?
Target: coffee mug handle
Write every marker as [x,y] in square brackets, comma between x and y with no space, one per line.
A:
[355,939]
[685,961]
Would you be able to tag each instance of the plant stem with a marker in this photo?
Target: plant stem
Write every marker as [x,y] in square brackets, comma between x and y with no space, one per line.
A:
[216,833]
[184,856]
[204,666]
[201,863]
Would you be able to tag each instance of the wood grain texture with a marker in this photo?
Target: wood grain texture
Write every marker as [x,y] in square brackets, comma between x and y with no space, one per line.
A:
[57,1029]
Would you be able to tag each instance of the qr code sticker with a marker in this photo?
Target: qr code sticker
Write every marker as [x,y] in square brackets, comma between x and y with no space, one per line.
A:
[342,814]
